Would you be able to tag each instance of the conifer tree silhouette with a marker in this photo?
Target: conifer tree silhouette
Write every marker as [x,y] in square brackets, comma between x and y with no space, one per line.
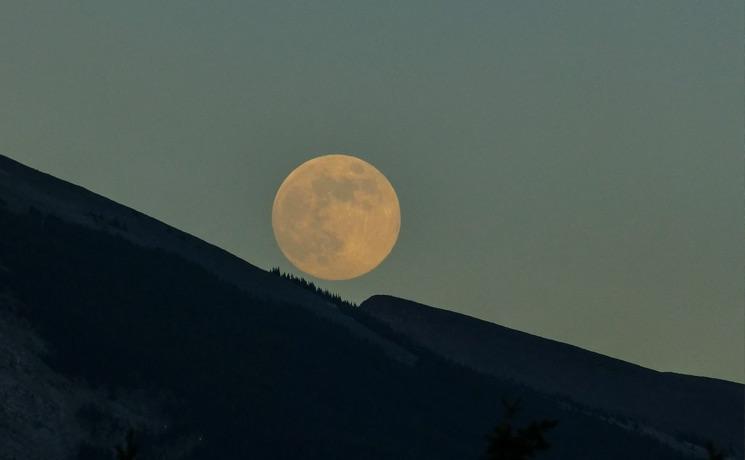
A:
[510,443]
[714,452]
[129,450]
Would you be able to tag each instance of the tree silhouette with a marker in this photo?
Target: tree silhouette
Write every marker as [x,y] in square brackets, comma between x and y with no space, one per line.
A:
[714,452]
[507,442]
[129,450]
[336,299]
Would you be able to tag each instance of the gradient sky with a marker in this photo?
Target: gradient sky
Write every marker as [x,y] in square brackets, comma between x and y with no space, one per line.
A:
[571,169]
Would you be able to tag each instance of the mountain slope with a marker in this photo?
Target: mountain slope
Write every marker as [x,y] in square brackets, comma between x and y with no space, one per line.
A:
[23,188]
[132,323]
[234,376]
[672,403]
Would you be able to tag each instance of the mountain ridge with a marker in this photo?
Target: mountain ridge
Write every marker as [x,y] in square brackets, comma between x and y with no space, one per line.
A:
[26,188]
[670,401]
[135,293]
[373,299]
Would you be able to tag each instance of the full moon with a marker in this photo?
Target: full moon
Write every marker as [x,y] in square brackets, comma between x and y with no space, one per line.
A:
[336,217]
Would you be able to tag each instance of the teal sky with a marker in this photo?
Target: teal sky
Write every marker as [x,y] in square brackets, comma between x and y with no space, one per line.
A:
[570,169]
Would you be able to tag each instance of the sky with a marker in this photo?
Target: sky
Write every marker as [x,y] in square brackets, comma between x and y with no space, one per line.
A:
[570,169]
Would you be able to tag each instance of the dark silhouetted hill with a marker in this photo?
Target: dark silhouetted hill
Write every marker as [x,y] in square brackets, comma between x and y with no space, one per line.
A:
[672,404]
[111,321]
